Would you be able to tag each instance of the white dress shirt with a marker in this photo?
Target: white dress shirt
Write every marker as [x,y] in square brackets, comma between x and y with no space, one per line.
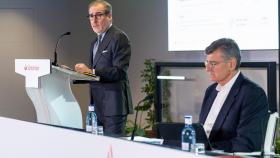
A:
[218,104]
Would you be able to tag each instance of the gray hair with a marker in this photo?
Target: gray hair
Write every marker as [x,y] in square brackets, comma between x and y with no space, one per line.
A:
[228,47]
[108,6]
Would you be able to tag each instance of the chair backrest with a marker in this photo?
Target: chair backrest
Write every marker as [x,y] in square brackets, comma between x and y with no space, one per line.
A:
[270,135]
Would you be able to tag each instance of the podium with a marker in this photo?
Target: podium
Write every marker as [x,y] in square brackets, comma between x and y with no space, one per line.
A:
[51,93]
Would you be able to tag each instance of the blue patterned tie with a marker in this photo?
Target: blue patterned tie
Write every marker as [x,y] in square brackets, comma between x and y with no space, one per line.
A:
[96,45]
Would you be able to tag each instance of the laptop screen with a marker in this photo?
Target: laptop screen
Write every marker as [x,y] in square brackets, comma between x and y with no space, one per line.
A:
[171,134]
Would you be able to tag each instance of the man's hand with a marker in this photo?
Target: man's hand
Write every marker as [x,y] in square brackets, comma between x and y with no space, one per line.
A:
[82,68]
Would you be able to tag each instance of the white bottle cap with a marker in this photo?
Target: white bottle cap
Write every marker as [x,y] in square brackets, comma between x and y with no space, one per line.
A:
[90,108]
[188,119]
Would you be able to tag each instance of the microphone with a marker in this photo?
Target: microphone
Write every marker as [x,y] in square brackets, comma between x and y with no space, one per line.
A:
[57,42]
[149,97]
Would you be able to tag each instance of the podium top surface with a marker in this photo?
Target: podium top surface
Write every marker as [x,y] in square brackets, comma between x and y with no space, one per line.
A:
[76,75]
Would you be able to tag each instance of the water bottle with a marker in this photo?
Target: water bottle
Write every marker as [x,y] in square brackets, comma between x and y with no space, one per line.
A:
[91,120]
[188,135]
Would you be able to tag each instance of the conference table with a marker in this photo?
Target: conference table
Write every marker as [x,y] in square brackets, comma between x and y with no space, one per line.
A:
[30,139]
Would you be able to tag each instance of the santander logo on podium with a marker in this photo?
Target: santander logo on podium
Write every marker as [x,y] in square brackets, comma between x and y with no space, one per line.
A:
[32,69]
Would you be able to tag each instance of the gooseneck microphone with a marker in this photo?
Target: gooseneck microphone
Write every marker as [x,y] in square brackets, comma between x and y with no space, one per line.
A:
[149,97]
[57,42]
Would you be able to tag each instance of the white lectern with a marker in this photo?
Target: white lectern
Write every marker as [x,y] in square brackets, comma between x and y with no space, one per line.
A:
[49,88]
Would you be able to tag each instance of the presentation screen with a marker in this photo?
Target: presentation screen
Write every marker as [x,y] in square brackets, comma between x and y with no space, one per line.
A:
[194,24]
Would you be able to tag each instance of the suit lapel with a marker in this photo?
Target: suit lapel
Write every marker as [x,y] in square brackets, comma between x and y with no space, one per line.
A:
[229,102]
[211,95]
[105,41]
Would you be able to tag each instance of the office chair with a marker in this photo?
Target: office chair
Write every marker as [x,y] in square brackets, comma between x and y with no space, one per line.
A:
[270,138]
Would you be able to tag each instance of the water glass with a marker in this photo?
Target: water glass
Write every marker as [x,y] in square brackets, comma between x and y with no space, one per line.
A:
[100,130]
[199,148]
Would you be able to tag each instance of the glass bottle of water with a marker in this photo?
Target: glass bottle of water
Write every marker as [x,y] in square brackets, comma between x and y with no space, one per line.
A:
[188,135]
[91,120]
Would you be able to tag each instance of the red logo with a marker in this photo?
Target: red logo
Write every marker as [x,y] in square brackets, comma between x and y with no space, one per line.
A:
[31,68]
[110,152]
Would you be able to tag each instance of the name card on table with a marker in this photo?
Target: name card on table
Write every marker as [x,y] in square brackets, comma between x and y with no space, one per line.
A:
[32,69]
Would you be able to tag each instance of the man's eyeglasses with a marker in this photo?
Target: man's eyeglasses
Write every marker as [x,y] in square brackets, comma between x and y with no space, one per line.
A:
[97,15]
[212,64]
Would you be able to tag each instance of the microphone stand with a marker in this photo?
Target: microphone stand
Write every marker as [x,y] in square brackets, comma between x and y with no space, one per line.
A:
[55,59]
[55,52]
[149,97]
[135,121]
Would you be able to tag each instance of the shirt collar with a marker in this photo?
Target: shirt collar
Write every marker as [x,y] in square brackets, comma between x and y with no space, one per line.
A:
[229,84]
[103,34]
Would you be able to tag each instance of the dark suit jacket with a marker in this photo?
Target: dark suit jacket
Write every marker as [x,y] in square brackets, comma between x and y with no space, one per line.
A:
[112,94]
[241,123]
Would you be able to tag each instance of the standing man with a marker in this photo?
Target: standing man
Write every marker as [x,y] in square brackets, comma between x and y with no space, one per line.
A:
[109,58]
[234,110]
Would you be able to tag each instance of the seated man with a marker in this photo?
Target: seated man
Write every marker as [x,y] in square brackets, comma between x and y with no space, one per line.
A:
[234,111]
